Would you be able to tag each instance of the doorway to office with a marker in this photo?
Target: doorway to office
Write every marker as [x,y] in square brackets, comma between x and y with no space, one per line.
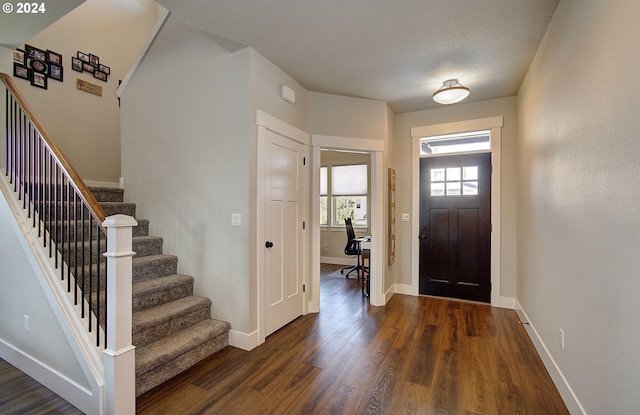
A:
[375,216]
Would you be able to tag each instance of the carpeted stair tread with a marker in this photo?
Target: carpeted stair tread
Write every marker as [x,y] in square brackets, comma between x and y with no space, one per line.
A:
[141,245]
[160,284]
[147,245]
[151,317]
[156,291]
[107,194]
[121,208]
[163,350]
[154,266]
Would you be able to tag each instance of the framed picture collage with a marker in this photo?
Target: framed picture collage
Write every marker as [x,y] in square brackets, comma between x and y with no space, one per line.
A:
[38,66]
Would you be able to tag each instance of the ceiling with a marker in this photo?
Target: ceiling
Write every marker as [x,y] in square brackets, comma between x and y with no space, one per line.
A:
[394,51]
[17,28]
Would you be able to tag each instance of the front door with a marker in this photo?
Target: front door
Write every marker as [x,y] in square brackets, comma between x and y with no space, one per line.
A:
[284,246]
[455,226]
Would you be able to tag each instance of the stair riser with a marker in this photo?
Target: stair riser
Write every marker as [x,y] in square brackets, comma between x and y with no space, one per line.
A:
[60,230]
[154,377]
[107,194]
[62,210]
[170,326]
[156,269]
[159,268]
[142,248]
[143,302]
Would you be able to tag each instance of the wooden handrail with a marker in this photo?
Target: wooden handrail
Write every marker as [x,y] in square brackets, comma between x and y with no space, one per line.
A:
[75,179]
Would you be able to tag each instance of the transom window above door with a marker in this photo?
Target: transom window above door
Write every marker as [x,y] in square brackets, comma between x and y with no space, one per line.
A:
[455,143]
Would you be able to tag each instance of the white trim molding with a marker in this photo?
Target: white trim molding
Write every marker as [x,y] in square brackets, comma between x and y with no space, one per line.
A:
[494,124]
[377,267]
[244,341]
[164,16]
[566,392]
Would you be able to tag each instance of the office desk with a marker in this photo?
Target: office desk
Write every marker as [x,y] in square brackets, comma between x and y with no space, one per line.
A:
[364,243]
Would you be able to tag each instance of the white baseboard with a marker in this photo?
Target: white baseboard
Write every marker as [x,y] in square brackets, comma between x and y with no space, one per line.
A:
[85,400]
[406,289]
[244,341]
[568,396]
[507,302]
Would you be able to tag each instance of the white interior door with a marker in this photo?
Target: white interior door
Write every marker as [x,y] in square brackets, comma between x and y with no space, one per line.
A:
[284,244]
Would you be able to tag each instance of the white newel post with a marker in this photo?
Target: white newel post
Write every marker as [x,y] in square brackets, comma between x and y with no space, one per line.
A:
[119,356]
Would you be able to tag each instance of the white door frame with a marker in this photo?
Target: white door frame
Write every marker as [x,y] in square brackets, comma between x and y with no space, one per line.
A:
[494,124]
[376,267]
[266,122]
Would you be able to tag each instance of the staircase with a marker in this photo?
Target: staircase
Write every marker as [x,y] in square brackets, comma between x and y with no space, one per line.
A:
[172,328]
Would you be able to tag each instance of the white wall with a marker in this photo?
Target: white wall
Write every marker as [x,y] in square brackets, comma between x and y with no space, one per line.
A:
[86,126]
[340,116]
[579,200]
[403,123]
[44,349]
[185,160]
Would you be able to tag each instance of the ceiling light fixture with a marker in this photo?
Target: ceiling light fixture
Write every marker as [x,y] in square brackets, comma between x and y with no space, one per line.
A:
[450,92]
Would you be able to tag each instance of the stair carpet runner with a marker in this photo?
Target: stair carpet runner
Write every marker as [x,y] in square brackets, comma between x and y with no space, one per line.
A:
[172,328]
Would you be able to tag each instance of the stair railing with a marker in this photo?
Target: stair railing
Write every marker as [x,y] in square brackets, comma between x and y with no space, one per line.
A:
[64,212]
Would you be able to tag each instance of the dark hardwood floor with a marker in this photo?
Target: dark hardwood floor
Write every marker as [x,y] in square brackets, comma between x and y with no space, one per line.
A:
[416,355]
[21,395]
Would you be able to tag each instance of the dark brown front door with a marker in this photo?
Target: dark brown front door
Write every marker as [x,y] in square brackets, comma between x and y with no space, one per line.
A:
[455,226]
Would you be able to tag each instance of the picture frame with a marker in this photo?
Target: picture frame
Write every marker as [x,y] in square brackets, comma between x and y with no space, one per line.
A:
[88,68]
[39,79]
[84,57]
[35,53]
[21,71]
[76,64]
[94,60]
[19,57]
[53,57]
[100,75]
[105,69]
[39,66]
[56,72]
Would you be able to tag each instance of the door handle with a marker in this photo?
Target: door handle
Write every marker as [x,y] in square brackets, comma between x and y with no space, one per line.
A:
[422,236]
[268,244]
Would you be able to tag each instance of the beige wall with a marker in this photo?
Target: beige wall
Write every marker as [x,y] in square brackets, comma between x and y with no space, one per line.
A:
[579,200]
[339,116]
[505,107]
[189,161]
[86,126]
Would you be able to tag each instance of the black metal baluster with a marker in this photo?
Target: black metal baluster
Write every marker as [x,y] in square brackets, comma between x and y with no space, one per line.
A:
[90,267]
[98,238]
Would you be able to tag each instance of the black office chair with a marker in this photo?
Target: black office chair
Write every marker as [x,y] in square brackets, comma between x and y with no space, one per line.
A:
[352,248]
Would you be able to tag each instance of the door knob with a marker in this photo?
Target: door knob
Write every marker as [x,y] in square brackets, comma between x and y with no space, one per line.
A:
[268,244]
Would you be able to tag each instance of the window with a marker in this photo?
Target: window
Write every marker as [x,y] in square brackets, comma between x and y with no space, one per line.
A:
[347,197]
[454,181]
[455,143]
[323,197]
[349,194]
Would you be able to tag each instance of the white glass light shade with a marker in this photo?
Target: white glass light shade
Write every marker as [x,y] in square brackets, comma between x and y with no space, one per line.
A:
[450,92]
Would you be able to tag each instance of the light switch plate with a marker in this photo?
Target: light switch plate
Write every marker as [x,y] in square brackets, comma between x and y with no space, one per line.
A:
[236,219]
[404,217]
